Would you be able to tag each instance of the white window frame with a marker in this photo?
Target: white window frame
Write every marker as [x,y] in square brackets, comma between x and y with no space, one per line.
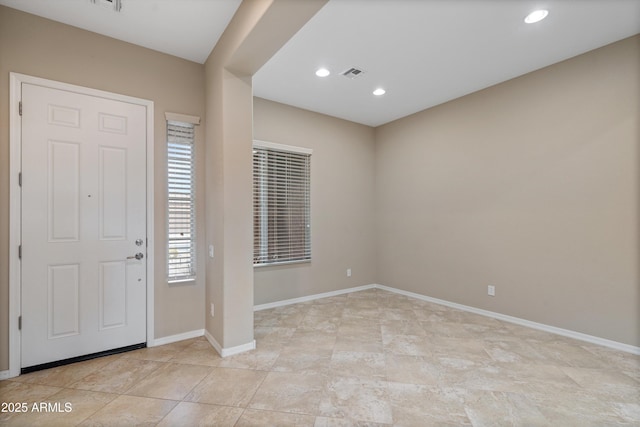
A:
[175,119]
[264,145]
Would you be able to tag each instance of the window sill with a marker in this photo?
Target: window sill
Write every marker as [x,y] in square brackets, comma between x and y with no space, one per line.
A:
[178,281]
[282,263]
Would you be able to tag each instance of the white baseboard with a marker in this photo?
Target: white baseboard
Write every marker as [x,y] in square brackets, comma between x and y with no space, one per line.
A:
[511,319]
[178,337]
[214,343]
[5,374]
[522,322]
[229,351]
[311,297]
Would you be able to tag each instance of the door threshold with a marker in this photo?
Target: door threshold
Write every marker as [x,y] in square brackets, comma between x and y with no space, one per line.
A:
[71,360]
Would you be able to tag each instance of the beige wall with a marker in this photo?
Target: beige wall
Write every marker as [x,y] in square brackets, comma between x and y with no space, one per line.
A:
[532,186]
[43,48]
[342,202]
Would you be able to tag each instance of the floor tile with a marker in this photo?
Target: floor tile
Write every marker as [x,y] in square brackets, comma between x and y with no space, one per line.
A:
[200,414]
[26,395]
[300,360]
[420,405]
[345,422]
[578,407]
[402,327]
[369,358]
[118,376]
[172,381]
[412,369]
[538,379]
[292,392]
[609,357]
[227,386]
[357,399]
[320,323]
[627,411]
[489,409]
[261,359]
[325,311]
[129,411]
[409,345]
[289,317]
[14,391]
[358,364]
[567,352]
[354,326]
[258,418]
[606,383]
[272,336]
[66,407]
[362,311]
[64,376]
[447,328]
[198,353]
[513,351]
[366,342]
[306,339]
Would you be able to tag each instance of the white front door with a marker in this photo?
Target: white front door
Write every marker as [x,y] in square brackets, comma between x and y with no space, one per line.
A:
[83,222]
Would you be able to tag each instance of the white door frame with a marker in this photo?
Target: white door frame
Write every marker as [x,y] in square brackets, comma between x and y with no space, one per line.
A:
[15,203]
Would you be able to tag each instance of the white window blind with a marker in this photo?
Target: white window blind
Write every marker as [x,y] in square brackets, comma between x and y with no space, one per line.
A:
[281,205]
[181,201]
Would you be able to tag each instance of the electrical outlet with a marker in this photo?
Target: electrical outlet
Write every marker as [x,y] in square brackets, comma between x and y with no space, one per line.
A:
[210,251]
[348,272]
[491,290]
[212,309]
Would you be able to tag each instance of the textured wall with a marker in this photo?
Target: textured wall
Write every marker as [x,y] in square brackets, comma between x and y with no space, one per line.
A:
[532,186]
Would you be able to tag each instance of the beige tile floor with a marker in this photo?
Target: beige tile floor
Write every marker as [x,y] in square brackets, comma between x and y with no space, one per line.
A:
[368,358]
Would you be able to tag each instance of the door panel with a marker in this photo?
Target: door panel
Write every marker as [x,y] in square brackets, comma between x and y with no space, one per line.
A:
[63,191]
[112,193]
[83,207]
[113,294]
[62,292]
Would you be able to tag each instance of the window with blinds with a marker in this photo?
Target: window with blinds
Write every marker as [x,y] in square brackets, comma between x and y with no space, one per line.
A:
[281,204]
[181,201]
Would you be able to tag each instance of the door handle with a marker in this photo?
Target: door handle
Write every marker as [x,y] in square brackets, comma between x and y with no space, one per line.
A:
[139,255]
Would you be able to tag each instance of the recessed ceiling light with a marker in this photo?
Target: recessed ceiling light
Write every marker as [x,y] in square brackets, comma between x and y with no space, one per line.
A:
[116,5]
[536,16]
[322,72]
[379,92]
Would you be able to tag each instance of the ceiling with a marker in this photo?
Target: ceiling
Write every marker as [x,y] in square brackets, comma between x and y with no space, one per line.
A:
[422,52]
[426,52]
[187,29]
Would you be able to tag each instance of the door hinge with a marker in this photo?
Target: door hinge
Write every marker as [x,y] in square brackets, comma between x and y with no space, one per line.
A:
[19,323]
[20,108]
[20,179]
[20,252]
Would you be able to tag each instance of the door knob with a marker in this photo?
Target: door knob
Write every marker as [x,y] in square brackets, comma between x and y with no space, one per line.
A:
[139,255]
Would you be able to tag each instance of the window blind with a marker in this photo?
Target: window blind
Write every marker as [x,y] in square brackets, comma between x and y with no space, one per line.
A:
[181,201]
[281,206]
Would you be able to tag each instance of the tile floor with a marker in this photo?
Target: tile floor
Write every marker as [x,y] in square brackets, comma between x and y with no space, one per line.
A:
[368,358]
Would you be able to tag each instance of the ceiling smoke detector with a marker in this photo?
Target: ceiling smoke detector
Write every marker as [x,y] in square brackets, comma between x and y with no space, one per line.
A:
[352,73]
[116,5]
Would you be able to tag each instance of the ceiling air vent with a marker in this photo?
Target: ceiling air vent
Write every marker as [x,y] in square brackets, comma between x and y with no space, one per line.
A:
[352,73]
[116,5]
